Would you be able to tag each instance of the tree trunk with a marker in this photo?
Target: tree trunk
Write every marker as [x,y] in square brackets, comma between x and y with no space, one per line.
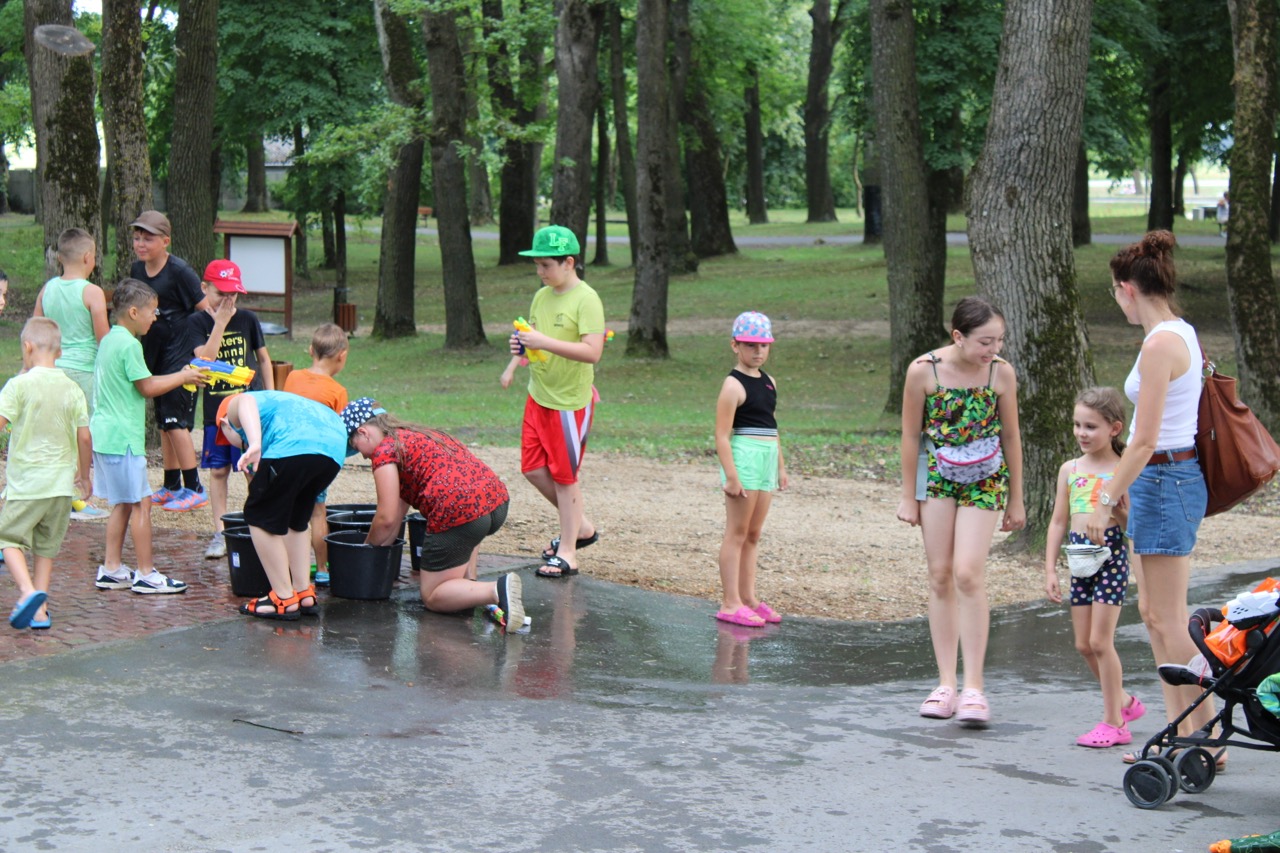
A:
[1273,225]
[757,206]
[447,70]
[577,57]
[66,133]
[621,126]
[340,239]
[1160,127]
[1020,233]
[682,258]
[711,234]
[1081,225]
[873,223]
[329,256]
[602,187]
[190,199]
[124,126]
[4,179]
[301,173]
[1179,178]
[916,276]
[647,333]
[479,194]
[393,316]
[1251,289]
[256,199]
[817,116]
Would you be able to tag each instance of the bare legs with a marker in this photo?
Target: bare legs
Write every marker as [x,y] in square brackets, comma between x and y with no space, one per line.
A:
[744,519]
[16,560]
[956,543]
[1095,632]
[286,560]
[218,495]
[456,589]
[136,518]
[176,448]
[567,499]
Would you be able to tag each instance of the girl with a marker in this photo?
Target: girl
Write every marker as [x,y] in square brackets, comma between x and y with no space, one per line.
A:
[1095,600]
[951,399]
[751,468]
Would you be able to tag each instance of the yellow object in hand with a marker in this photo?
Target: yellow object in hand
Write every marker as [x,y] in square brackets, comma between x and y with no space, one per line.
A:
[533,354]
[221,371]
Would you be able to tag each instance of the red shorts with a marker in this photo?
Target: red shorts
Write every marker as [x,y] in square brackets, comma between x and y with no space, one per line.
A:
[555,440]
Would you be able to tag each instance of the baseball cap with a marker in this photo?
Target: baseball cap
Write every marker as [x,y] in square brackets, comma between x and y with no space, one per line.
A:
[225,276]
[153,221]
[554,241]
[752,327]
[359,412]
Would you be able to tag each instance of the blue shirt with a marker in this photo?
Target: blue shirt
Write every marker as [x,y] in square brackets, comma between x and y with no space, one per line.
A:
[295,426]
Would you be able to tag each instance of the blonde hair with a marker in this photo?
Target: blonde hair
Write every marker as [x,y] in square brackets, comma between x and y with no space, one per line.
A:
[74,244]
[328,341]
[42,333]
[1109,403]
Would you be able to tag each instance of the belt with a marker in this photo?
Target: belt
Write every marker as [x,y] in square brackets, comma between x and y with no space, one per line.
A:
[1164,457]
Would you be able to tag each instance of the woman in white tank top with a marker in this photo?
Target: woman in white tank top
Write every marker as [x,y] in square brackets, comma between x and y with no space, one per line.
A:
[1158,473]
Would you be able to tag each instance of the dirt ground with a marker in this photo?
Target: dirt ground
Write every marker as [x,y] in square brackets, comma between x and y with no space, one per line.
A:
[831,547]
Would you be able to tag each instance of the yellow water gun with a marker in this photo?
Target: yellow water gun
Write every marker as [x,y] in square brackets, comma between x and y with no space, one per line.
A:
[221,371]
[532,354]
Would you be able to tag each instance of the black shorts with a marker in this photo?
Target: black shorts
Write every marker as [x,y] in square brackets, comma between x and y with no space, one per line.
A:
[282,493]
[176,409]
[453,547]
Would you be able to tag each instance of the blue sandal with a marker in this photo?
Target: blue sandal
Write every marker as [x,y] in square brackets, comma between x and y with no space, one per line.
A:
[26,608]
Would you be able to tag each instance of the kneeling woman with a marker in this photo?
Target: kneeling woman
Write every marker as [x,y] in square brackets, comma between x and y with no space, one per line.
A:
[461,498]
[293,447]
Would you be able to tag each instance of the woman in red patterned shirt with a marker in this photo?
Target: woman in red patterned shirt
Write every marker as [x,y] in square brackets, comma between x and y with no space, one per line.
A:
[462,499]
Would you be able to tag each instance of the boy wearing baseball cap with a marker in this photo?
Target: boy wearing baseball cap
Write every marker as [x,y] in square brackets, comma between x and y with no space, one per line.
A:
[223,332]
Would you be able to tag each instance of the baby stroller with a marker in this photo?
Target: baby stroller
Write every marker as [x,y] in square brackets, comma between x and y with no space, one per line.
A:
[1239,655]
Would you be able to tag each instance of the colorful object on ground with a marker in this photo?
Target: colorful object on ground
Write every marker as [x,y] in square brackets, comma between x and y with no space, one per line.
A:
[220,371]
[1250,844]
[522,325]
[608,335]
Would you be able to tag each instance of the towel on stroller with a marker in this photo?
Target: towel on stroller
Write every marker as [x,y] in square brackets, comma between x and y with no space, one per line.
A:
[1244,614]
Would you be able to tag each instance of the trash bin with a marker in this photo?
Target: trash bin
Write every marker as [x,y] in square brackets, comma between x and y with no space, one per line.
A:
[248,578]
[417,538]
[360,571]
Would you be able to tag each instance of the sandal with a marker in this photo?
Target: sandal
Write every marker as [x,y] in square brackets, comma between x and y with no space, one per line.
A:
[1133,710]
[551,550]
[258,607]
[743,616]
[1104,735]
[941,704]
[311,609]
[560,564]
[973,708]
[767,613]
[1220,758]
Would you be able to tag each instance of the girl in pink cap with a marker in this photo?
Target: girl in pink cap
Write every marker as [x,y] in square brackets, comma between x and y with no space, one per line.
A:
[751,468]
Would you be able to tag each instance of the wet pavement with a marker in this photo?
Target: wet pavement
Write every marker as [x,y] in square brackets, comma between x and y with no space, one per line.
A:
[625,720]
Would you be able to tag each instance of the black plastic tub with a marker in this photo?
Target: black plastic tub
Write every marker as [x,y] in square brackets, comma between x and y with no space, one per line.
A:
[360,571]
[248,578]
[234,519]
[360,520]
[417,537]
[332,509]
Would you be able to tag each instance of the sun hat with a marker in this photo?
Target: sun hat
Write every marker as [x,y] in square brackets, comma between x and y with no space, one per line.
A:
[153,221]
[752,327]
[225,276]
[554,241]
[359,412]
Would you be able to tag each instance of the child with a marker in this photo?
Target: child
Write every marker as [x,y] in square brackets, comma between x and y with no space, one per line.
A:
[119,427]
[568,326]
[751,468]
[328,357]
[223,332]
[961,396]
[49,453]
[79,308]
[4,290]
[1095,600]
[297,447]
[177,286]
[460,496]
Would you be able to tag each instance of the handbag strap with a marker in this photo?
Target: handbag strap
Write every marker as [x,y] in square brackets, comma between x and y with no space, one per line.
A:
[1206,365]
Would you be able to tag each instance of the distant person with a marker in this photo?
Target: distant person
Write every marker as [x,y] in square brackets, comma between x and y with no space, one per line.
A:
[328,352]
[177,286]
[567,319]
[123,383]
[1097,597]
[1224,214]
[961,469]
[751,468]
[48,463]
[4,290]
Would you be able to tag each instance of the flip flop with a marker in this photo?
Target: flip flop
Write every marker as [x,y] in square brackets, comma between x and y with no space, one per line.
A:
[565,570]
[41,624]
[26,608]
[941,704]
[550,551]
[744,616]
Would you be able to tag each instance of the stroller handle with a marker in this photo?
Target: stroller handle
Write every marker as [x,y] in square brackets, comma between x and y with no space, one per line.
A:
[1199,626]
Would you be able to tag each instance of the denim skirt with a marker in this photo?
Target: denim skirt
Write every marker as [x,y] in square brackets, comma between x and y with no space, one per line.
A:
[1166,506]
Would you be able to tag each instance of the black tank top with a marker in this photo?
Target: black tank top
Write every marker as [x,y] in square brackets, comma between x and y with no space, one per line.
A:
[755,415]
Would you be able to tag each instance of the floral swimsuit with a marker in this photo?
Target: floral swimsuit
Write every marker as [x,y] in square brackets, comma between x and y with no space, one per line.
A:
[955,416]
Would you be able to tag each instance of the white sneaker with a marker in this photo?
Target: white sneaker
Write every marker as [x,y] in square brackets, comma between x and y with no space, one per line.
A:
[156,584]
[217,547]
[106,580]
[89,512]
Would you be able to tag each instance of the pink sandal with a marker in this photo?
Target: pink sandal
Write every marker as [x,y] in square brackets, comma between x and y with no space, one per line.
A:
[941,704]
[1104,735]
[1133,710]
[973,708]
[767,613]
[742,616]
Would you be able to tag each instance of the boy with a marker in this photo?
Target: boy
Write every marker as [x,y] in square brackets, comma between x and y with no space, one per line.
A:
[328,356]
[49,452]
[118,426]
[568,325]
[79,308]
[177,287]
[223,332]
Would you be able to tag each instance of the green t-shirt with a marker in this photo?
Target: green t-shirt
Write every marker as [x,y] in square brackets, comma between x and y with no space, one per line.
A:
[119,422]
[560,383]
[44,408]
[63,302]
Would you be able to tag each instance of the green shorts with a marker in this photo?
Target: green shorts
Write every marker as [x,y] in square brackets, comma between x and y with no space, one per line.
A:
[757,463]
[37,525]
[83,378]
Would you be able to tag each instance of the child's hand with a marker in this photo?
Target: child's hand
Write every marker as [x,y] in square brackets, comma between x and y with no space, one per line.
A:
[507,376]
[514,345]
[1051,590]
[85,486]
[249,458]
[226,310]
[531,340]
[193,376]
[1015,516]
[733,488]
[783,480]
[909,511]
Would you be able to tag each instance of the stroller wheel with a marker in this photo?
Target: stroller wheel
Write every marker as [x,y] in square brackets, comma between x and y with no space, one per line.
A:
[1147,784]
[1195,769]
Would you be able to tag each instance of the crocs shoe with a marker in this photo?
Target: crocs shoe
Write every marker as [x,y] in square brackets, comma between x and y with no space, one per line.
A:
[1104,735]
[973,708]
[187,500]
[1133,710]
[163,495]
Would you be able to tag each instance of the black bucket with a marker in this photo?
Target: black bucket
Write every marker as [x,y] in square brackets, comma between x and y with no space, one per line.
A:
[234,519]
[332,509]
[357,570]
[248,578]
[417,537]
[360,520]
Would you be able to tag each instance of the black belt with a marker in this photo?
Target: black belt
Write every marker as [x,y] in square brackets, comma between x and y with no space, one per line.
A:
[1164,457]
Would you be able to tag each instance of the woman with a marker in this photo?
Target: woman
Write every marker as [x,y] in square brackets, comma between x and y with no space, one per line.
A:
[1158,473]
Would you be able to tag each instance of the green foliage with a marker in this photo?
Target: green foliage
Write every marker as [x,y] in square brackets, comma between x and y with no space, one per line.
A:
[159,66]
[15,93]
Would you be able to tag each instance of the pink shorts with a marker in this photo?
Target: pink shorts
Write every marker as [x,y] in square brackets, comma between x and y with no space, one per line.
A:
[555,440]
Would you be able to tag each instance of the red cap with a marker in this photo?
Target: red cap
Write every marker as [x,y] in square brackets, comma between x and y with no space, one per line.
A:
[225,276]
[221,438]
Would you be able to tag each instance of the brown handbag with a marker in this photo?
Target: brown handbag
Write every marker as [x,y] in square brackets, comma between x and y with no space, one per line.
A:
[1237,454]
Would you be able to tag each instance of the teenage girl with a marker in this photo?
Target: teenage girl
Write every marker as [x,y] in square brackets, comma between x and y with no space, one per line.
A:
[1095,600]
[751,468]
[958,393]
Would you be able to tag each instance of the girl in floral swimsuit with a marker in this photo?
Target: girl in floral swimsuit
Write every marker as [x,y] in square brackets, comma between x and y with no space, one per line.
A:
[955,395]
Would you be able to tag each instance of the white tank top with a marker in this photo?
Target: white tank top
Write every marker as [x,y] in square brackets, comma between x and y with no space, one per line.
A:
[1182,404]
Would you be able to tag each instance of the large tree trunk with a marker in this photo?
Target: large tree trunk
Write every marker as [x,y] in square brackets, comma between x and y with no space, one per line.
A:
[708,199]
[1179,178]
[256,199]
[1273,225]
[577,73]
[1160,129]
[462,325]
[123,124]
[621,126]
[479,194]
[817,116]
[1251,289]
[1020,227]
[757,206]
[1081,225]
[681,257]
[67,150]
[190,199]
[602,187]
[393,316]
[340,239]
[301,173]
[647,333]
[4,178]
[916,271]
[872,197]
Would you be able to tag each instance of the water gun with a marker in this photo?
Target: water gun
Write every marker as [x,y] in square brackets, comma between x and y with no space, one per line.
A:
[522,325]
[220,371]
[1248,844]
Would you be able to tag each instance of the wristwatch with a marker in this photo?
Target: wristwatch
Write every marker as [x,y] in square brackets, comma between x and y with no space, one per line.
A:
[1105,499]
